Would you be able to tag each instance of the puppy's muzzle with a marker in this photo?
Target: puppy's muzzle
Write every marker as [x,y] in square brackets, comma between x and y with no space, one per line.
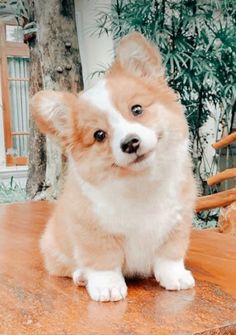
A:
[130,144]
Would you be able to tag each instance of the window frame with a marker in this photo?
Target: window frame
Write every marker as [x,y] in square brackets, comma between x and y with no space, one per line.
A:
[8,49]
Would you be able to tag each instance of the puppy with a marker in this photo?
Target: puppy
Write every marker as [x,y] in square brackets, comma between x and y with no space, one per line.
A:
[128,199]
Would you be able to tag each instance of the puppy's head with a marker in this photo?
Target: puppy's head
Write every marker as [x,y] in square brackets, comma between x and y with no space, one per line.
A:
[123,124]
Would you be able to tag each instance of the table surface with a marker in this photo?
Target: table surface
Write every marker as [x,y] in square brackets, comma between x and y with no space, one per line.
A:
[31,302]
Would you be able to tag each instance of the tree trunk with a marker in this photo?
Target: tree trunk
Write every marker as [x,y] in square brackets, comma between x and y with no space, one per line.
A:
[60,66]
[37,141]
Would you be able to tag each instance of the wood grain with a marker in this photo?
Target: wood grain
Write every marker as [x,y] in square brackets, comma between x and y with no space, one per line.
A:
[227,140]
[221,176]
[220,199]
[31,302]
[227,219]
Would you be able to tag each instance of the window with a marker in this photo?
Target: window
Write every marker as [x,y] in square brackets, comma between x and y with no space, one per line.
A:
[19,111]
[15,93]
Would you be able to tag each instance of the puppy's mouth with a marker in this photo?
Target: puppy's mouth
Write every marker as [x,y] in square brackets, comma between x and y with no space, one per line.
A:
[141,158]
[138,162]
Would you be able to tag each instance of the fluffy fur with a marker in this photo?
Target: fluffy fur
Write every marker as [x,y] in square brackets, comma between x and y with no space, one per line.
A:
[120,214]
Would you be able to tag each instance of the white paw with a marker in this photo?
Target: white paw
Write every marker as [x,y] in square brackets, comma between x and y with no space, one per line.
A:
[182,281]
[78,277]
[172,275]
[106,286]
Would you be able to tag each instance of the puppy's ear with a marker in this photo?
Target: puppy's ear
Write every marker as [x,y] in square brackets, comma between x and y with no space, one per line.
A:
[139,57]
[53,113]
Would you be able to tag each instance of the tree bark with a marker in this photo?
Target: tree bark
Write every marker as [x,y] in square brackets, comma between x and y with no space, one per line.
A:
[60,66]
[37,141]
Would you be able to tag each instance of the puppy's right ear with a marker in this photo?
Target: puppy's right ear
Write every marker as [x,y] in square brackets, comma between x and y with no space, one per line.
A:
[139,57]
[53,113]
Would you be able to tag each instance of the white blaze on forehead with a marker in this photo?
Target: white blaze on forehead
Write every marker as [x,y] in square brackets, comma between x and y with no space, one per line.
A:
[99,96]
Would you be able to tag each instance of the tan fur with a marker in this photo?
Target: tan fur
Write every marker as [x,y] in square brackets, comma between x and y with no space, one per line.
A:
[74,238]
[98,249]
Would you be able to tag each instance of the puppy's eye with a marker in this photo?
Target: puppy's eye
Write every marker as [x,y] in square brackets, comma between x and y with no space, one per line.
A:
[99,135]
[137,110]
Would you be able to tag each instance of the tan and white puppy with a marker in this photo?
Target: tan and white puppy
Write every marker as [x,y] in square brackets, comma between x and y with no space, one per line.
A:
[127,204]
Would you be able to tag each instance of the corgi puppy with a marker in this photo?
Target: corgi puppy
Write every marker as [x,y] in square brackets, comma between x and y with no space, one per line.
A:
[127,204]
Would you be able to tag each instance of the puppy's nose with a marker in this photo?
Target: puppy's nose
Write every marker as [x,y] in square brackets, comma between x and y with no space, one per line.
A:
[130,144]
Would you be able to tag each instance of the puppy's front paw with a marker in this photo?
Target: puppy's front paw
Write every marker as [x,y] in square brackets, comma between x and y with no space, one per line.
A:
[172,275]
[106,286]
[181,281]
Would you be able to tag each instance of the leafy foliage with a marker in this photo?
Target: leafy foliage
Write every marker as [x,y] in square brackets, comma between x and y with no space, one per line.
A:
[197,41]
[13,8]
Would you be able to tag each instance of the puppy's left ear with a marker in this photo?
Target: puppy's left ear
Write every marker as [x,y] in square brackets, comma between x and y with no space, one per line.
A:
[54,113]
[138,56]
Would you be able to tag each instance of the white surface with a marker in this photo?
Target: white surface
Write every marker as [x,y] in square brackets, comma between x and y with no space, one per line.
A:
[96,52]
[19,174]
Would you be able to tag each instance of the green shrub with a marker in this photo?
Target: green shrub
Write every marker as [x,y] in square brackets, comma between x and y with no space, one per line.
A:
[12,192]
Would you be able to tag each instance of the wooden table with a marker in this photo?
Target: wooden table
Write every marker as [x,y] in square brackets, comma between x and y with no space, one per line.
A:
[31,302]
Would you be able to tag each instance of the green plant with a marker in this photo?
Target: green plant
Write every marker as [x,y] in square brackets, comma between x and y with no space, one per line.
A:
[12,192]
[206,219]
[14,8]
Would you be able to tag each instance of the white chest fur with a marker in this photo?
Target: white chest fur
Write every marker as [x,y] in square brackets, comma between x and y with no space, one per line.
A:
[142,210]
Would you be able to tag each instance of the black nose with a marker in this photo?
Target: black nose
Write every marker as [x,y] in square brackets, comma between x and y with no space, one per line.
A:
[130,144]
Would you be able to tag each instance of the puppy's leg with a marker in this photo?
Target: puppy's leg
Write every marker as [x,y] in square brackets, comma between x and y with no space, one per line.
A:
[102,285]
[101,271]
[56,262]
[169,266]
[106,285]
[172,275]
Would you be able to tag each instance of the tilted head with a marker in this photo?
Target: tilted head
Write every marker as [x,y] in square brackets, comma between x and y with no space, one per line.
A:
[125,124]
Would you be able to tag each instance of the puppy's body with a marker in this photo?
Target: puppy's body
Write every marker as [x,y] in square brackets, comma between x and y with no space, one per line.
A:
[127,204]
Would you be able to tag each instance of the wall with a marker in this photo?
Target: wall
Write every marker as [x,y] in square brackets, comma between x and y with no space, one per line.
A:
[96,53]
